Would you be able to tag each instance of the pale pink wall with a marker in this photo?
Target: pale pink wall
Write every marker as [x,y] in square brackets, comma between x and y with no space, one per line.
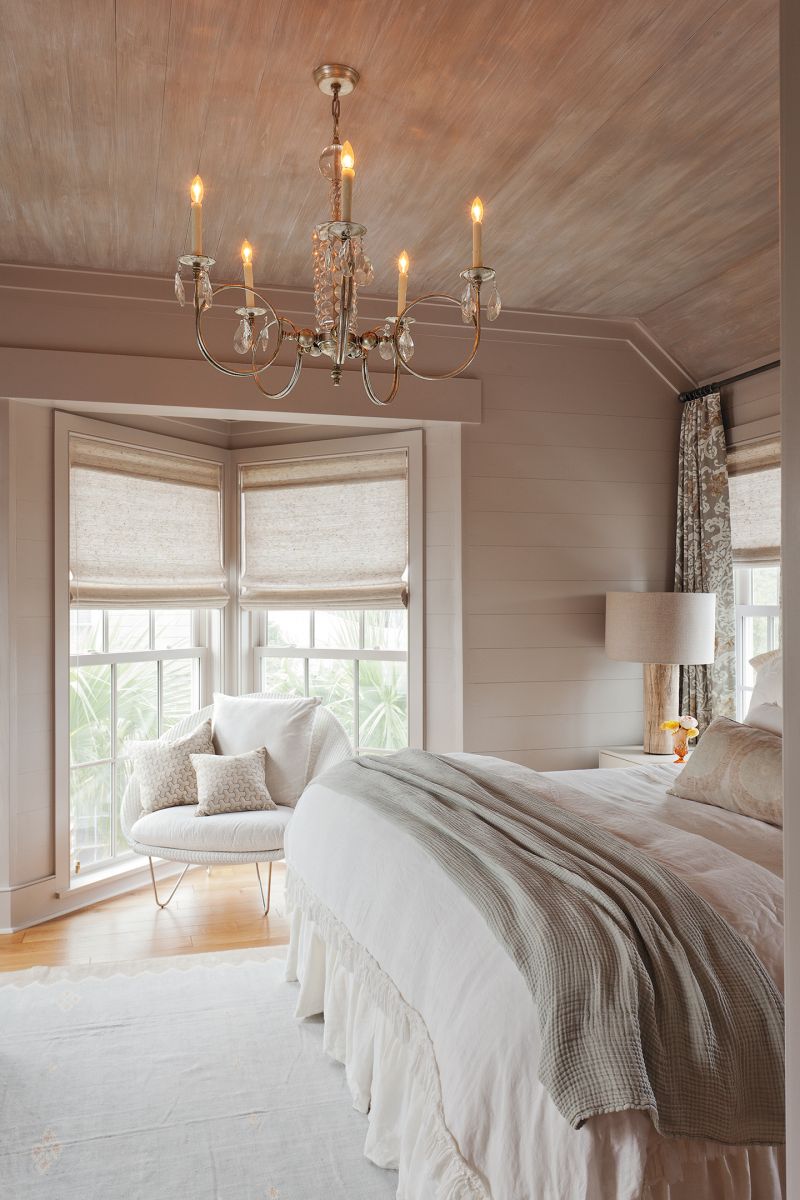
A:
[565,489]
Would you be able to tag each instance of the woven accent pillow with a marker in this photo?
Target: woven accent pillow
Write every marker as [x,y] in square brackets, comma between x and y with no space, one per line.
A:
[164,771]
[231,783]
[735,767]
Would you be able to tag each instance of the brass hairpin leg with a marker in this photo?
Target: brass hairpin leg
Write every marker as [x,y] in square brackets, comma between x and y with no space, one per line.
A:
[174,890]
[264,902]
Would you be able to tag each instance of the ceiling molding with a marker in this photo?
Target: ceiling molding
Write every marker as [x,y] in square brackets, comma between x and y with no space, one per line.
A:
[142,293]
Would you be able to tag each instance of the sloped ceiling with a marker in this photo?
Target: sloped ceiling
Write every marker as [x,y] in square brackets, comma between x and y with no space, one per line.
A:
[626,151]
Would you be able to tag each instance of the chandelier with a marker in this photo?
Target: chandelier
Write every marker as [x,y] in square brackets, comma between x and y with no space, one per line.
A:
[341,266]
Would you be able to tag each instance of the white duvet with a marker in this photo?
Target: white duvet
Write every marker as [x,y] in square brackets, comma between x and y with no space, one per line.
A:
[408,922]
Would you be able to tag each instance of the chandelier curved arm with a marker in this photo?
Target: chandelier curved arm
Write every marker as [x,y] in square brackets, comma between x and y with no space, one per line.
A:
[245,372]
[374,397]
[298,363]
[476,321]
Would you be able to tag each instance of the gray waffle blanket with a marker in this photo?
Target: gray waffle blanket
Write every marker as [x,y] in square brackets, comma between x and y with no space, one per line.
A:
[646,998]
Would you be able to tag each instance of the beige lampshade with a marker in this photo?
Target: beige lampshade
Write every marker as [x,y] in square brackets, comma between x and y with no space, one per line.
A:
[660,627]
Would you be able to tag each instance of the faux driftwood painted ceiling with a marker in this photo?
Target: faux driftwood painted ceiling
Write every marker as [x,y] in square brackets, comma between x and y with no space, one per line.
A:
[626,150]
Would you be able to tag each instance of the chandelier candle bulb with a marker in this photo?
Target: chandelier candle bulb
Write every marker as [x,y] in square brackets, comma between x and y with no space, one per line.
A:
[477,232]
[196,192]
[348,179]
[402,282]
[247,271]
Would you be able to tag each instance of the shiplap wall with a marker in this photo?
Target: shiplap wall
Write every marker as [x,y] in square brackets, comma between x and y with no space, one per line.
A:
[569,492]
[30,678]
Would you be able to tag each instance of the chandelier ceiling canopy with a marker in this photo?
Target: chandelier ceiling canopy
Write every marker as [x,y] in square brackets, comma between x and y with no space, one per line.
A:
[340,267]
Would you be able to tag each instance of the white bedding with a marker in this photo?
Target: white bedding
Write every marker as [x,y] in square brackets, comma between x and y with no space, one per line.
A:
[402,918]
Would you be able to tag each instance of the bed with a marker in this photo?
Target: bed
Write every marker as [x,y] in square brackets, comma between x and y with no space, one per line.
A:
[438,1032]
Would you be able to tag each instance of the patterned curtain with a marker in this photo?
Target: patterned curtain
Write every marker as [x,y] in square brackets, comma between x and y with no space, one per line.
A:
[703,555]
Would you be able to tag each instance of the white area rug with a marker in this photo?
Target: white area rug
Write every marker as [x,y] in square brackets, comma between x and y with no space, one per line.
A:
[179,1078]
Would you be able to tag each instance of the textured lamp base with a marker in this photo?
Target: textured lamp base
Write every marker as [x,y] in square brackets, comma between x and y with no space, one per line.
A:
[660,704]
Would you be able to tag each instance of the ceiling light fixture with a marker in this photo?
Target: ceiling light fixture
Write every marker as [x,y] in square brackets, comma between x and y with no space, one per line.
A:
[340,267]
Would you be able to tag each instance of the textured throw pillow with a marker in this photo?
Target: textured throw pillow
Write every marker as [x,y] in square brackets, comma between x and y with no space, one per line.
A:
[284,726]
[164,771]
[766,716]
[231,783]
[769,679]
[738,768]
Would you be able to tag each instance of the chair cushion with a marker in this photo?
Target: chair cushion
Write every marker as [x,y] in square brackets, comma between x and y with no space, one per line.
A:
[231,783]
[242,723]
[163,768]
[229,833]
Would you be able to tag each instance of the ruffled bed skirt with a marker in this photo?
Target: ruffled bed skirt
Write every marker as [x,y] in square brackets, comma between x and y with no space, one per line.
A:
[393,1077]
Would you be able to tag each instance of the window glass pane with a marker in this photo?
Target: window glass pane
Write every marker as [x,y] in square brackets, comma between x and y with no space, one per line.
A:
[283,676]
[759,635]
[173,628]
[89,713]
[337,629]
[90,801]
[85,630]
[333,680]
[385,629]
[137,702]
[741,582]
[128,629]
[383,705]
[766,583]
[181,694]
[289,628]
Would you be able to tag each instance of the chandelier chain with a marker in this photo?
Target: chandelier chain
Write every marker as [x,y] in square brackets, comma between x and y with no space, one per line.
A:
[335,111]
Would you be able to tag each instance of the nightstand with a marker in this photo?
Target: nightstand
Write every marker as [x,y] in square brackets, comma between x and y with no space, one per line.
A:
[631,756]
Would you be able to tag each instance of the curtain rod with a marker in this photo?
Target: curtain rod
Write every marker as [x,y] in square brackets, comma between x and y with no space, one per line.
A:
[708,388]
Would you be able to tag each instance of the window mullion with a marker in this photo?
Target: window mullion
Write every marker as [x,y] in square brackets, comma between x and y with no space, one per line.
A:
[113,838]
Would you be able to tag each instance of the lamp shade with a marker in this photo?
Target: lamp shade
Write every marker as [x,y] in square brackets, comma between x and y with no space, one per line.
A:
[661,627]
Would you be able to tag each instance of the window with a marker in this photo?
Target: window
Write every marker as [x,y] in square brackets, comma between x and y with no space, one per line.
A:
[133,674]
[758,623]
[141,579]
[754,470]
[355,661]
[331,580]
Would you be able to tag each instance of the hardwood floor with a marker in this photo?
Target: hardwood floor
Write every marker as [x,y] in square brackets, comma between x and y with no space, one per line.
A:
[219,911]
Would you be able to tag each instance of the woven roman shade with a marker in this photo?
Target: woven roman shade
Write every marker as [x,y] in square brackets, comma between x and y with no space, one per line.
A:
[329,532]
[145,527]
[754,481]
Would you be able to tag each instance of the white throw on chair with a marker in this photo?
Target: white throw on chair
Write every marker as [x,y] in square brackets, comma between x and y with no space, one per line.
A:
[244,837]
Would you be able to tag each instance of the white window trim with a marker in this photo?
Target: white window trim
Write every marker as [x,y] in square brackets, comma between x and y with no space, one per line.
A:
[216,663]
[743,612]
[412,441]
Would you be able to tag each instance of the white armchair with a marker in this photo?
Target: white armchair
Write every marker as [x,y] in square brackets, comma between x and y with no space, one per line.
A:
[246,837]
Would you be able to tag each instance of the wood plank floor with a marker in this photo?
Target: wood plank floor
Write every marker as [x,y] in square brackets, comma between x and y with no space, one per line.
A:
[216,911]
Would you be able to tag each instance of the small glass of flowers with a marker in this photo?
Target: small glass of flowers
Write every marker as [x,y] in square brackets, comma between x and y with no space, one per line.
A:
[683,731]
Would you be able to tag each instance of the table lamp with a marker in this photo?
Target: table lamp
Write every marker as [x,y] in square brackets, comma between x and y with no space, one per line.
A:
[662,630]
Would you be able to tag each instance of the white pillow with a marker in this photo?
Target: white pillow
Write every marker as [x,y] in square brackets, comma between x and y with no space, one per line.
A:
[769,679]
[243,723]
[766,716]
[231,783]
[163,769]
[735,767]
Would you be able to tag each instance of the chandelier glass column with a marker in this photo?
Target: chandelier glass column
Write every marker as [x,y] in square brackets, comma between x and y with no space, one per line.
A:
[340,267]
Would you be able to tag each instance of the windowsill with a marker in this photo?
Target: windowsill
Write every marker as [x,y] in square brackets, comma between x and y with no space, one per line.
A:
[118,870]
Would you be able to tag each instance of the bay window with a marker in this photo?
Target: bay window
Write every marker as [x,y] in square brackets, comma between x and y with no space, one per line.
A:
[183,568]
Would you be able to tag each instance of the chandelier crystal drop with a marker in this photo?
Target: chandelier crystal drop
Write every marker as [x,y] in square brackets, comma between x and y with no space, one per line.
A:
[340,266]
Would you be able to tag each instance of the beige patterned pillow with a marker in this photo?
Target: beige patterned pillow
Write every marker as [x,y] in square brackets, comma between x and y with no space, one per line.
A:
[163,770]
[231,783]
[735,767]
